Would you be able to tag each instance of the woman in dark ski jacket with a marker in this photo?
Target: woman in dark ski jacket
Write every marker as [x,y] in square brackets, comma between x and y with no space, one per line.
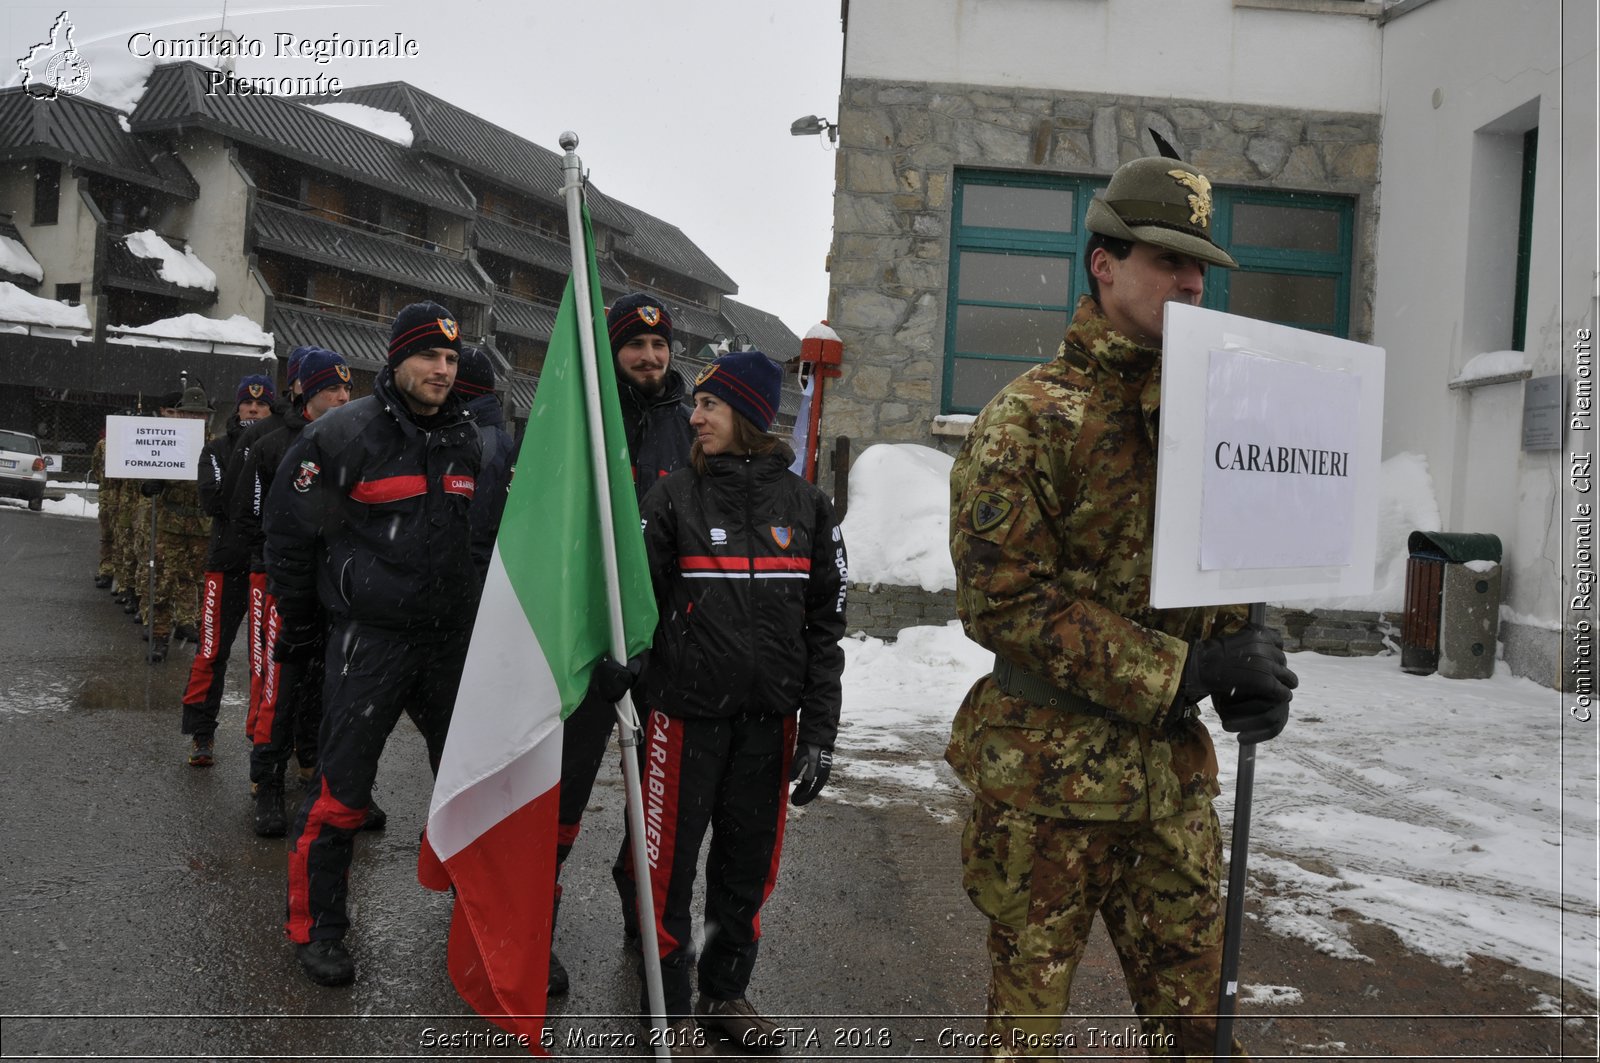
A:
[742,687]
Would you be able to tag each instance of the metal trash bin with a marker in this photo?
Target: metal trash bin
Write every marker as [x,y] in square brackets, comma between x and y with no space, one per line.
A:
[1452,616]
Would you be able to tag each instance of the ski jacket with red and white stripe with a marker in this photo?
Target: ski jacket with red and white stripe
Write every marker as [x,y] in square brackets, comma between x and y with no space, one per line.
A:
[750,575]
[368,513]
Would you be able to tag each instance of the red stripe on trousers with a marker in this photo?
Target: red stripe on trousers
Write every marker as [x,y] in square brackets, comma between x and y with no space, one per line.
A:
[663,756]
[389,489]
[271,680]
[326,810]
[256,618]
[204,667]
[783,819]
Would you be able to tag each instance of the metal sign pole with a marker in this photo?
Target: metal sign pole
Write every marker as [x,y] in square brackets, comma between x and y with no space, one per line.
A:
[1238,860]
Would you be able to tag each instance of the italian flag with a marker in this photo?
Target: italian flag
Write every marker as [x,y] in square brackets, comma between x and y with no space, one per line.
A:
[542,625]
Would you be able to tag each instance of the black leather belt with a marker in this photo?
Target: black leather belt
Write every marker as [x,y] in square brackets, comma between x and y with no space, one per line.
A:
[1020,683]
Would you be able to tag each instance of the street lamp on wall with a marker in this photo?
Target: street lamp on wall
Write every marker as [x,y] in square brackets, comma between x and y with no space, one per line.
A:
[811,126]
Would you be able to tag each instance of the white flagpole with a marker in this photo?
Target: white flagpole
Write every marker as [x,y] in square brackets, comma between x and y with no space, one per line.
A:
[627,719]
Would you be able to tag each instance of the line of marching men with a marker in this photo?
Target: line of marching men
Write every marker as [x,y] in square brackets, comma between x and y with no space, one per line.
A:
[209,572]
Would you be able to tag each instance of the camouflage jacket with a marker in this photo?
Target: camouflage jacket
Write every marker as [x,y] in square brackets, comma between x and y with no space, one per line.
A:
[1052,507]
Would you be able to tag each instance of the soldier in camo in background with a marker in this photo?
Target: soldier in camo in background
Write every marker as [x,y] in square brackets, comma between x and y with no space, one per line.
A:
[183,532]
[1092,773]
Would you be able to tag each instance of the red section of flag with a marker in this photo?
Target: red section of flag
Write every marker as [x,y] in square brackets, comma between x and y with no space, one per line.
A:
[500,931]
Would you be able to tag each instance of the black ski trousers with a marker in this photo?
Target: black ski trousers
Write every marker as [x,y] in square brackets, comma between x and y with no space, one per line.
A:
[223,598]
[731,775]
[372,677]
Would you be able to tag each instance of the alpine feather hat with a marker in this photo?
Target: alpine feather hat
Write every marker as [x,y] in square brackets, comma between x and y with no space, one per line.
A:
[1159,201]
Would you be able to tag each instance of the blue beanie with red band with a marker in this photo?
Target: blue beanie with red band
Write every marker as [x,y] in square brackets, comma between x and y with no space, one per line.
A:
[321,368]
[256,388]
[422,327]
[748,381]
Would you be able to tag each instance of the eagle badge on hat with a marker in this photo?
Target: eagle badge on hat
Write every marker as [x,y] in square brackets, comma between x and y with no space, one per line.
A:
[255,391]
[705,374]
[343,372]
[1199,187]
[650,315]
[451,330]
[782,536]
[309,471]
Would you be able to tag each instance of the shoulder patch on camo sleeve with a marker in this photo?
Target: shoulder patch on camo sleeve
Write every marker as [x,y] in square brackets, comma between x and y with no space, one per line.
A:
[989,511]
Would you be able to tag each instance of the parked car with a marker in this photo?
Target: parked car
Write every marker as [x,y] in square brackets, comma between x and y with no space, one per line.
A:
[22,468]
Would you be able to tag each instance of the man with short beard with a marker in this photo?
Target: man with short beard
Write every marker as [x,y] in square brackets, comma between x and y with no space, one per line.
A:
[368,517]
[655,413]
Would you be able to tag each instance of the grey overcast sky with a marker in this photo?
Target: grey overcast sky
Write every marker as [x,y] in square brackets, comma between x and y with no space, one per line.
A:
[682,108]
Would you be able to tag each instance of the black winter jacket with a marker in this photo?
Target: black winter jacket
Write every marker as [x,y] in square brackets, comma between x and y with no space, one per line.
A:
[226,552]
[659,435]
[369,514]
[749,571]
[494,479]
[261,464]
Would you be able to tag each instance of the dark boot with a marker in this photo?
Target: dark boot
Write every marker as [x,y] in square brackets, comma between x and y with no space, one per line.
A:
[270,819]
[158,650]
[102,581]
[326,962]
[377,818]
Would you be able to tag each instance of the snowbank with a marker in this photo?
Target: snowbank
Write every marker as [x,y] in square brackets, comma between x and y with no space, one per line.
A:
[14,258]
[237,329]
[177,267]
[386,124]
[18,305]
[897,530]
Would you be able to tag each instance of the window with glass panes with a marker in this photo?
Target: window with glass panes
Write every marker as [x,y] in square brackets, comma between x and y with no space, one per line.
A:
[1016,273]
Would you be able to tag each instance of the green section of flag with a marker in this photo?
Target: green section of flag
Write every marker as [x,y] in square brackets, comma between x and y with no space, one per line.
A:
[550,534]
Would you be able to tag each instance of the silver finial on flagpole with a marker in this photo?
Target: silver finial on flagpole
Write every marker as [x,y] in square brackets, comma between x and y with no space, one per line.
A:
[569,141]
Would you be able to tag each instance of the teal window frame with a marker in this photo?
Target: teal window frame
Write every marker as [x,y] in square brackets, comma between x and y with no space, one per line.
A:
[1337,265]
[1519,310]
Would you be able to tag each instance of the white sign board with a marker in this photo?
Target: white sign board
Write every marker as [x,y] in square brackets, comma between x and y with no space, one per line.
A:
[154,448]
[52,463]
[1267,478]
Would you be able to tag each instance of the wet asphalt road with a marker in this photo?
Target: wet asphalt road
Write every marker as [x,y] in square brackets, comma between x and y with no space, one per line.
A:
[141,916]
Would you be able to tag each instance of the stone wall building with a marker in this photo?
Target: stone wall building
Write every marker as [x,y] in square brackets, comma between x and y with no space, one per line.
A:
[1349,143]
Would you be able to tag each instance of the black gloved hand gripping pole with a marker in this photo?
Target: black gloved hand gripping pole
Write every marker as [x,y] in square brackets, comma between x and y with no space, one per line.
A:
[1238,851]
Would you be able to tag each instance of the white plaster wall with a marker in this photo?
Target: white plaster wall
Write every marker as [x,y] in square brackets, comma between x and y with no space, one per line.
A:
[65,250]
[1438,304]
[1197,49]
[214,225]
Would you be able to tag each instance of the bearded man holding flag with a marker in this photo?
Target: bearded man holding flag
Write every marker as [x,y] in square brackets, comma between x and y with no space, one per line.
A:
[569,538]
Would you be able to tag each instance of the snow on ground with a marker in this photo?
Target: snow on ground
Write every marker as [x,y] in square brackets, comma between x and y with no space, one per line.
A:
[385,124]
[177,267]
[71,504]
[1441,809]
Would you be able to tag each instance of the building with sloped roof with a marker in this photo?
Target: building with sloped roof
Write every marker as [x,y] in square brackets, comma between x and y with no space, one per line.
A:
[316,229]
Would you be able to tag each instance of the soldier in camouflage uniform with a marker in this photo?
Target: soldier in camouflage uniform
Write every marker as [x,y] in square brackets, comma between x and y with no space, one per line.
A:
[183,534]
[104,569]
[1092,774]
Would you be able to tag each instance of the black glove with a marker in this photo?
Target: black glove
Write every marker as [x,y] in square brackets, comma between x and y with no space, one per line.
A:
[151,488]
[811,767]
[610,680]
[1253,721]
[299,637]
[1248,665]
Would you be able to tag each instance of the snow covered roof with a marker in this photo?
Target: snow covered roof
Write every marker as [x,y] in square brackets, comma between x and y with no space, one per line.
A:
[386,124]
[196,332]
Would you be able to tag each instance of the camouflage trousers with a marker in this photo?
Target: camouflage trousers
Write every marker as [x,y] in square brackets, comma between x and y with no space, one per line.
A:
[180,571]
[1040,880]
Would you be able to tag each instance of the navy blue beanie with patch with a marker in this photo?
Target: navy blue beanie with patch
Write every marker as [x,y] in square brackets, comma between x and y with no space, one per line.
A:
[748,381]
[474,373]
[422,327]
[256,388]
[634,315]
[321,368]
